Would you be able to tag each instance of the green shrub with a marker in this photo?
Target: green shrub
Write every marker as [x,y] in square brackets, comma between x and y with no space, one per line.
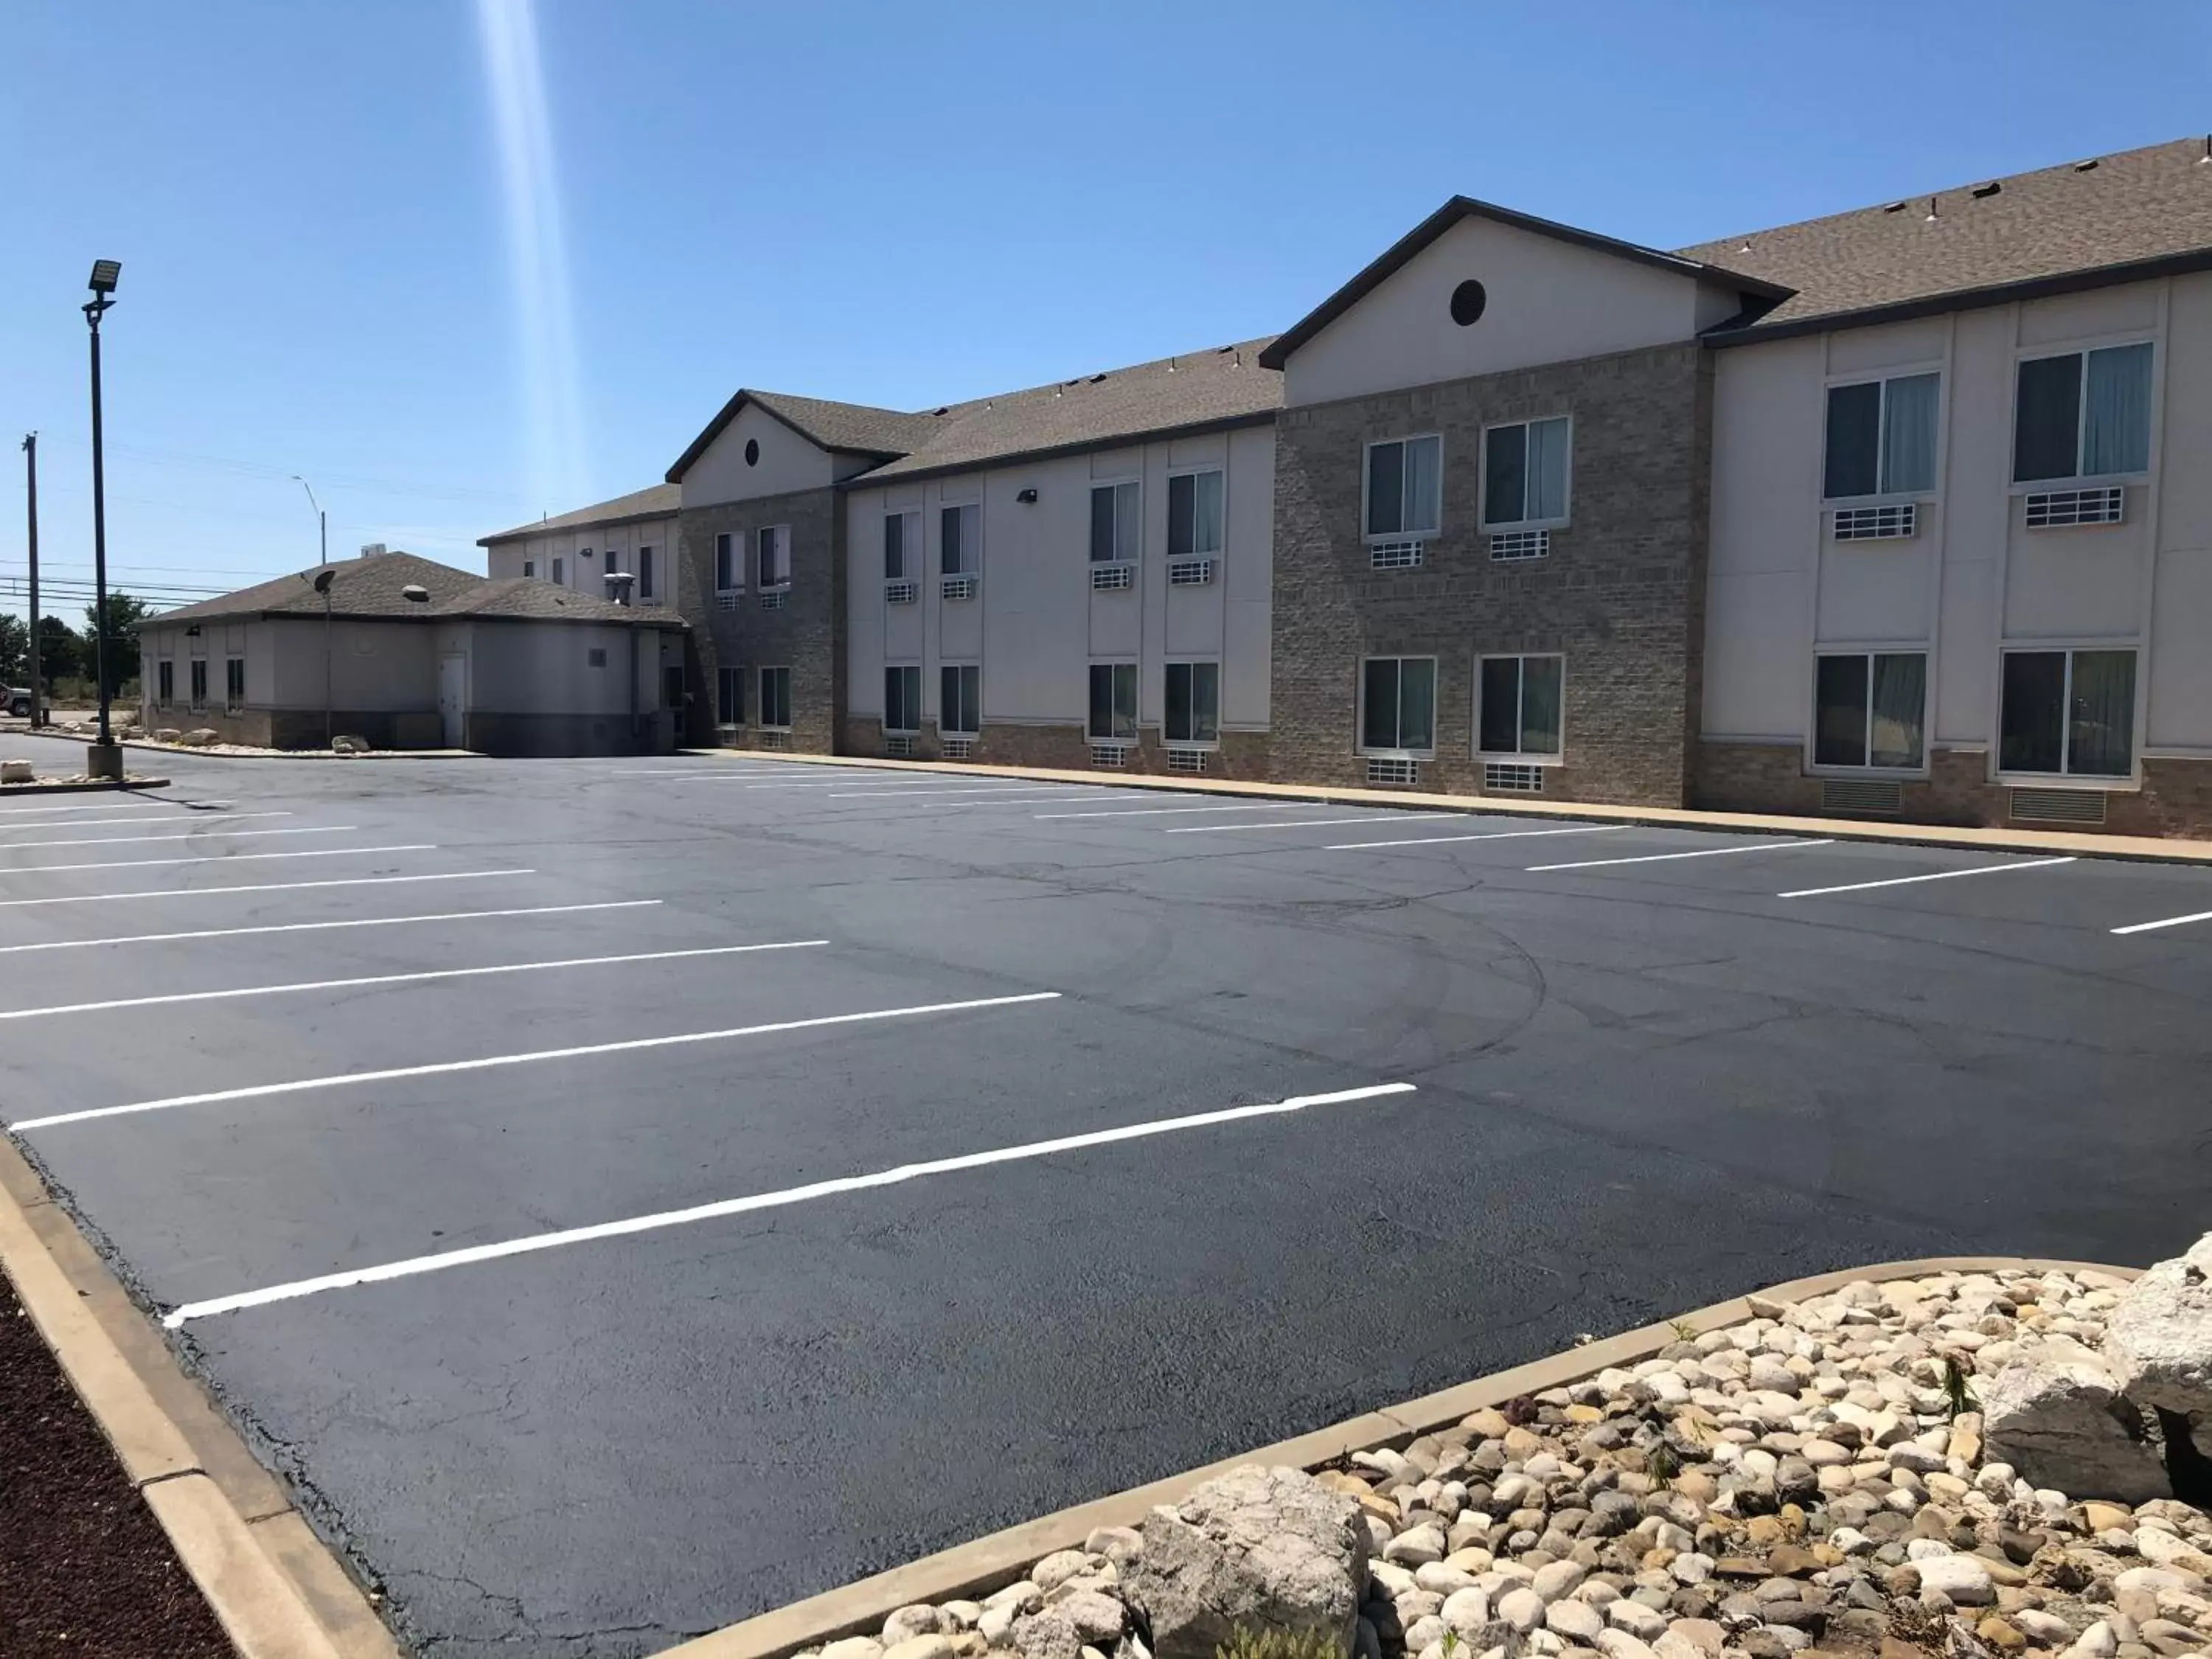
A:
[1263,1641]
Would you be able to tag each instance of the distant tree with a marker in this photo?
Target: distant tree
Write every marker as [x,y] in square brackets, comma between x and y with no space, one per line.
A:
[15,651]
[61,653]
[125,612]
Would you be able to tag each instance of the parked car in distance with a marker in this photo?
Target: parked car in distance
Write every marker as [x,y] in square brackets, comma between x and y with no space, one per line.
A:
[19,701]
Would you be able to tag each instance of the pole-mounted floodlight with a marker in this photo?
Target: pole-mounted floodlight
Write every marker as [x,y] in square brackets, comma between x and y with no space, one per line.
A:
[105,758]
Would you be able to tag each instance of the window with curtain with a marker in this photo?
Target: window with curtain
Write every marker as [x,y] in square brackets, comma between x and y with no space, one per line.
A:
[902,545]
[960,700]
[960,544]
[774,545]
[1398,704]
[1113,703]
[2082,415]
[1194,514]
[1405,486]
[1117,528]
[1881,437]
[902,698]
[2068,712]
[1870,708]
[1518,706]
[1193,702]
[775,698]
[1524,469]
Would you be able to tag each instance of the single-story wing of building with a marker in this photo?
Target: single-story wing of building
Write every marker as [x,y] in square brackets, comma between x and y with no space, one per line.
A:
[404,653]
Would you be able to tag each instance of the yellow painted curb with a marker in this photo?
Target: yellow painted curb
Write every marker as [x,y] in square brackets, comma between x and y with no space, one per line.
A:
[275,1595]
[977,1568]
[2075,842]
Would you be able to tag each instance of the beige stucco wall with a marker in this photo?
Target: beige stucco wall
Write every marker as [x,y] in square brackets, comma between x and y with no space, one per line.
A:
[584,551]
[788,462]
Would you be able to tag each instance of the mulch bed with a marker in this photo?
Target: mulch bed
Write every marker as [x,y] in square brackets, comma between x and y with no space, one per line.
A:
[85,1569]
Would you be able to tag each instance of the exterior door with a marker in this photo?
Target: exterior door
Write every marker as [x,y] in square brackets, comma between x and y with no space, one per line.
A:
[452,696]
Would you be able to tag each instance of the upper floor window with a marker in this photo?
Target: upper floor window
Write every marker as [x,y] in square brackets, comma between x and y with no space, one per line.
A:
[1194,514]
[729,563]
[1398,705]
[648,588]
[1524,474]
[2082,415]
[560,570]
[1881,437]
[1870,708]
[902,546]
[902,698]
[775,543]
[960,547]
[1405,486]
[2068,712]
[1117,527]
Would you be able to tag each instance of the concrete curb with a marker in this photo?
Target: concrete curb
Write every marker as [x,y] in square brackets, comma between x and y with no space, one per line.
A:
[977,1568]
[19,791]
[2073,843]
[277,1592]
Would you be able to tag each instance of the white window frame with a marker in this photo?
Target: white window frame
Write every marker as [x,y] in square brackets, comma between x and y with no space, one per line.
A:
[1360,708]
[2153,338]
[1199,471]
[974,567]
[1215,662]
[1116,485]
[911,551]
[2070,647]
[782,534]
[1871,650]
[1136,701]
[1896,497]
[760,694]
[976,669]
[1519,757]
[1482,479]
[913,729]
[1366,474]
[729,549]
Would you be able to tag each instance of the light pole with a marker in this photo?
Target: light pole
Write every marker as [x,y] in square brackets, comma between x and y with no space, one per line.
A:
[104,759]
[322,519]
[31,468]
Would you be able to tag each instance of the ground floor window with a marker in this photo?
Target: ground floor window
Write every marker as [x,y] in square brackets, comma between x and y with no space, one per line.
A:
[1113,702]
[1870,708]
[2069,713]
[730,696]
[775,698]
[960,699]
[1398,704]
[164,682]
[1195,699]
[199,682]
[1519,706]
[233,684]
[902,698]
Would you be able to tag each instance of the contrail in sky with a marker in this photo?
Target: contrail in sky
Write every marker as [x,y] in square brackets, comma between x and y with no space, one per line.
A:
[537,250]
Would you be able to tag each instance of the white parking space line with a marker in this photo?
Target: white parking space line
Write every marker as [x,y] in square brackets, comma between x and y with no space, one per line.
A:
[262,887]
[1314,824]
[970,789]
[2170,922]
[419,977]
[1166,811]
[1940,875]
[1487,834]
[473,1254]
[1024,799]
[630,1045]
[1701,853]
[142,817]
[182,835]
[322,926]
[225,857]
[8,813]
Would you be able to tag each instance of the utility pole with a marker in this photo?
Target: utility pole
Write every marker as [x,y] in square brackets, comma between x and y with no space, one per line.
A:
[31,466]
[104,759]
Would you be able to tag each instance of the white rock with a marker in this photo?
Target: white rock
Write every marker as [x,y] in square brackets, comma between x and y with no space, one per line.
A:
[1522,1608]
[1056,1568]
[1443,1579]
[1425,1631]
[2045,1629]
[922,1618]
[1577,1622]
[1558,1579]
[1120,1545]
[1925,1549]
[921,1647]
[1097,1618]
[1961,1577]
[1393,1579]
[2098,1642]
[854,1647]
[1466,1611]
[2054,1415]
[1416,1546]
[1022,1594]
[996,1624]
[1638,1620]
[2159,1339]
[1619,1645]
[16,771]
[1692,1567]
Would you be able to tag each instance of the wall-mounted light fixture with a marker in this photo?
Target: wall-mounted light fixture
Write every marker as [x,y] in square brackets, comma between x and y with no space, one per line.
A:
[1026,497]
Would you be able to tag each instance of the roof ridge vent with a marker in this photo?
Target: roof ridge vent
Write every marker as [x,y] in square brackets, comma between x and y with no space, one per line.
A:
[1896,207]
[2090,166]
[1983,192]
[1096,378]
[942,409]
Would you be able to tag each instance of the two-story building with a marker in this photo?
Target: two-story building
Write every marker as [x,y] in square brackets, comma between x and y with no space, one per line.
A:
[1890,513]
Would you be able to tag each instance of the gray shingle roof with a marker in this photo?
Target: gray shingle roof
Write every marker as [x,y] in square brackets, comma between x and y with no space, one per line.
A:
[855,427]
[375,588]
[2119,210]
[657,501]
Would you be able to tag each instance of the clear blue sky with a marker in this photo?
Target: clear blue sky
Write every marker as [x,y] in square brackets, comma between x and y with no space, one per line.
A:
[895,204]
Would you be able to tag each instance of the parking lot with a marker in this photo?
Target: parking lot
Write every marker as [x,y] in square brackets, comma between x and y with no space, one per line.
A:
[628,1194]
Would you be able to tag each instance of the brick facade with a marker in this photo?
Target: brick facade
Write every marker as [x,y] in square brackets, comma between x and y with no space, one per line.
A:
[1620,595]
[806,634]
[1067,748]
[2175,800]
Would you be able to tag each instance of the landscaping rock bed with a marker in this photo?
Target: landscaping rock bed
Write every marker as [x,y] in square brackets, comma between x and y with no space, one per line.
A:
[1819,1476]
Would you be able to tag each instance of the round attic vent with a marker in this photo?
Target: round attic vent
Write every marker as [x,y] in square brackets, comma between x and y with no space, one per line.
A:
[415,595]
[1468,301]
[752,452]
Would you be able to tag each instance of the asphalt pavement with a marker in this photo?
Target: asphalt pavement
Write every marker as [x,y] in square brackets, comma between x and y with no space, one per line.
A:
[624,1196]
